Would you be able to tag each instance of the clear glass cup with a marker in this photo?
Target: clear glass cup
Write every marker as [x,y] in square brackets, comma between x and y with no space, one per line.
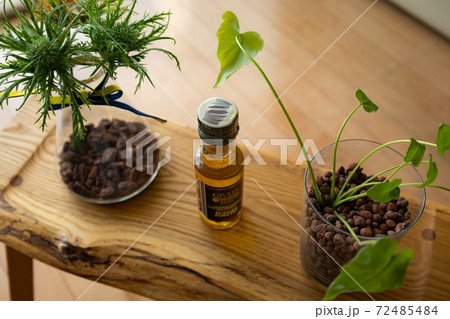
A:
[117,159]
[323,256]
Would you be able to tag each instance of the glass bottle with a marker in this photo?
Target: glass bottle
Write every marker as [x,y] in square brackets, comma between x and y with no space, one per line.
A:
[218,164]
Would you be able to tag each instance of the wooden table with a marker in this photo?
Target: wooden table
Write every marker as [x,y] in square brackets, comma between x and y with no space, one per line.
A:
[178,258]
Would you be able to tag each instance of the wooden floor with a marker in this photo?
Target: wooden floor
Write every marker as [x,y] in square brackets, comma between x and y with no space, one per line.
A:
[403,66]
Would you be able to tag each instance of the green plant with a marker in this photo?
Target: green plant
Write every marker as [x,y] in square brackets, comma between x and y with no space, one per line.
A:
[378,258]
[122,42]
[43,50]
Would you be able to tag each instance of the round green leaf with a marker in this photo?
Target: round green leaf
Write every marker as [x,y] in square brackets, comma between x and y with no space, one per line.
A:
[229,54]
[415,152]
[374,269]
[443,139]
[367,104]
[385,191]
[432,173]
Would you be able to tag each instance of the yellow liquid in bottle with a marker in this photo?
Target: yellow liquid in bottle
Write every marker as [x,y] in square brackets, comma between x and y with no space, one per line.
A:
[223,173]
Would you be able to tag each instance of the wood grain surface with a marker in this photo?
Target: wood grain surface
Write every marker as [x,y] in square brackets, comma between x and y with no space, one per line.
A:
[401,64]
[180,258]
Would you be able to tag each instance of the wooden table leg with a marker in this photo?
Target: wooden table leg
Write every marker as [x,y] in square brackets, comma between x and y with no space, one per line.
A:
[20,272]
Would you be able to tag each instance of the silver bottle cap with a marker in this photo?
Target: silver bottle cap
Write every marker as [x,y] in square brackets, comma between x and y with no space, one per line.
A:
[218,119]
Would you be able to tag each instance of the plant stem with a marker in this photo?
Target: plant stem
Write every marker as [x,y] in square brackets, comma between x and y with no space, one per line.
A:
[370,154]
[361,243]
[382,172]
[368,242]
[333,175]
[351,191]
[396,170]
[350,198]
[366,183]
[347,199]
[431,185]
[291,123]
[76,141]
[348,227]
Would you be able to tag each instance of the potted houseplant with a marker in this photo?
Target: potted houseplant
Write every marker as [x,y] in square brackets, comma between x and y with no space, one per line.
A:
[67,53]
[353,211]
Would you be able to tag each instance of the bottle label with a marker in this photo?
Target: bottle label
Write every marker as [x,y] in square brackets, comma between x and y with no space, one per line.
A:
[220,203]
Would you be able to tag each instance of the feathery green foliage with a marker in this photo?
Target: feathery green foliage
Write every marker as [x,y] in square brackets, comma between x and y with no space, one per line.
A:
[43,50]
[121,42]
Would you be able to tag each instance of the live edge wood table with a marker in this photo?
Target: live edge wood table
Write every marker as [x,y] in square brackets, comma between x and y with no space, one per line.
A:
[179,258]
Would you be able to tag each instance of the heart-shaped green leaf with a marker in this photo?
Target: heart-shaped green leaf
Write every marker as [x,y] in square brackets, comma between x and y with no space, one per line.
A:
[367,104]
[385,191]
[443,139]
[374,269]
[231,57]
[415,152]
[431,173]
